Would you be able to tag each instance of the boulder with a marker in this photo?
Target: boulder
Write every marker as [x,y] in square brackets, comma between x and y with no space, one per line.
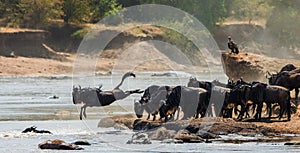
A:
[292,143]
[207,135]
[119,126]
[161,134]
[139,125]
[58,145]
[252,67]
[106,122]
[139,138]
[172,141]
[187,137]
[82,143]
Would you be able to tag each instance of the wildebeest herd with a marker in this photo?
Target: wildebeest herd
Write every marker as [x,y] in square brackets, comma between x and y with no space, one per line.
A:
[237,99]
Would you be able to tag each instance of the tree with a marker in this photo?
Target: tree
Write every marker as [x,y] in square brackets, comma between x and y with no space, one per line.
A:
[103,8]
[75,11]
[248,10]
[284,22]
[209,12]
[36,13]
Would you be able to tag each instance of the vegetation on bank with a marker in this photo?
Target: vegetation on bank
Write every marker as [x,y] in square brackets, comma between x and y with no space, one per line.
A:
[281,16]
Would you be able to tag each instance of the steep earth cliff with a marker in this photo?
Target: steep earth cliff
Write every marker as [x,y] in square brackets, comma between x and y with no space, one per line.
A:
[252,67]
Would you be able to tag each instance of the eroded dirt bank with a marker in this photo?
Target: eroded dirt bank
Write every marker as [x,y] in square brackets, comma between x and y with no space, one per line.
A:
[252,67]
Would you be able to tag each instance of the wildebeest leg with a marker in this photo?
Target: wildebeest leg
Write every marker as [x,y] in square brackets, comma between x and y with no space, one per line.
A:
[258,112]
[154,117]
[296,95]
[82,112]
[178,111]
[269,107]
[288,108]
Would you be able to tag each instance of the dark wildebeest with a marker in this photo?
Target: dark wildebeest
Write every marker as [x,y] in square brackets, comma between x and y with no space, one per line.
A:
[217,94]
[289,80]
[288,67]
[151,99]
[191,100]
[239,96]
[271,94]
[96,97]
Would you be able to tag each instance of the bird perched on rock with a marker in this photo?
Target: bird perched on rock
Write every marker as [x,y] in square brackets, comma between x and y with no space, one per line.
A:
[232,46]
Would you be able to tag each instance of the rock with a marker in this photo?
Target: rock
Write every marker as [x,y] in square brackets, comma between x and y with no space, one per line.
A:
[118,126]
[192,128]
[161,134]
[82,143]
[106,122]
[207,135]
[33,129]
[252,66]
[292,143]
[139,125]
[139,138]
[172,141]
[54,97]
[58,145]
[167,74]
[187,137]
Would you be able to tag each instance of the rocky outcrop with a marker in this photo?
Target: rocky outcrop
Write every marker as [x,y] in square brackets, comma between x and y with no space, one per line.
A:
[189,131]
[252,67]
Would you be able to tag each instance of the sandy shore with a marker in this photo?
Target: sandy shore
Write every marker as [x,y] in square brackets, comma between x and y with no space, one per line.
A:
[24,66]
[34,66]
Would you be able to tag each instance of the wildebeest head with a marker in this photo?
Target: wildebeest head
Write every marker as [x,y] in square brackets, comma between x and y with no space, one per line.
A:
[138,109]
[76,95]
[272,78]
[146,97]
[193,82]
[148,93]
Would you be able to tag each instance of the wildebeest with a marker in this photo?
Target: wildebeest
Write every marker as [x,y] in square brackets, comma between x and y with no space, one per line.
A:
[191,101]
[286,79]
[151,99]
[33,129]
[217,93]
[271,94]
[288,67]
[96,97]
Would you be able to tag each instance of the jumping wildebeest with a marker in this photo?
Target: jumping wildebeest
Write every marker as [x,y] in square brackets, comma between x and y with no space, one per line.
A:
[191,101]
[270,94]
[96,97]
[151,99]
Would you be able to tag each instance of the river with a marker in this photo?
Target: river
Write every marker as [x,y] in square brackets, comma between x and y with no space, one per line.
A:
[28,101]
